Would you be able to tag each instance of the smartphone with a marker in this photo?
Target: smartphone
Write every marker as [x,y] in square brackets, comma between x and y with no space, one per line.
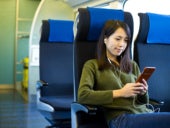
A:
[146,73]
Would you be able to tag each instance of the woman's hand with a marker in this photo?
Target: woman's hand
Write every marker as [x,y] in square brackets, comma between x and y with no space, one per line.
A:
[131,90]
[145,87]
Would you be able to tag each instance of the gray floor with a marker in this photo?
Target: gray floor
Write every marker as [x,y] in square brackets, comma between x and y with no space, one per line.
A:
[15,112]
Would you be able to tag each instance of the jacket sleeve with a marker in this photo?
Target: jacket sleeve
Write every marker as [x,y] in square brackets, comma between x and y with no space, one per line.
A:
[86,92]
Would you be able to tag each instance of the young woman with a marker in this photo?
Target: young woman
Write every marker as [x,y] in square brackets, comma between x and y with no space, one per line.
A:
[109,81]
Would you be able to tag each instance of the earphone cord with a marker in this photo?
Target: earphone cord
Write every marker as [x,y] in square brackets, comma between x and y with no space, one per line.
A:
[150,106]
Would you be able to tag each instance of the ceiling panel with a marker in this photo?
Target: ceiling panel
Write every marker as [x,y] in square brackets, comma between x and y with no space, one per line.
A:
[75,2]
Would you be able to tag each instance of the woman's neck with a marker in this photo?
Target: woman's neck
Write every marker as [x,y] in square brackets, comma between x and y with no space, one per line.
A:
[113,60]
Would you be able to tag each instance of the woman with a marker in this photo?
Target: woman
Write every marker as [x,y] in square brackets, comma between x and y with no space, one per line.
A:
[109,81]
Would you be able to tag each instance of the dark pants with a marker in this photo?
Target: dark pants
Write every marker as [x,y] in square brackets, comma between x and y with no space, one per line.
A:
[149,120]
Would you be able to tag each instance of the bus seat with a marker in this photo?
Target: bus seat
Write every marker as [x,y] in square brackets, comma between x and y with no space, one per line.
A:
[55,87]
[88,27]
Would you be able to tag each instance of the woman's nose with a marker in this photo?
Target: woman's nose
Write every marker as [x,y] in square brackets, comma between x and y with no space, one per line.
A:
[122,42]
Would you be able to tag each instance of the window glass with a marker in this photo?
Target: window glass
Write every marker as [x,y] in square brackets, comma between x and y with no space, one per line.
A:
[153,6]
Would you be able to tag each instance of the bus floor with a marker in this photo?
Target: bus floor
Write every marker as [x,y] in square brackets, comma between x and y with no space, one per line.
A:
[15,112]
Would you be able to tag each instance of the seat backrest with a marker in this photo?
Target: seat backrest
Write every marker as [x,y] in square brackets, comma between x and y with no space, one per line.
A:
[89,24]
[152,48]
[56,57]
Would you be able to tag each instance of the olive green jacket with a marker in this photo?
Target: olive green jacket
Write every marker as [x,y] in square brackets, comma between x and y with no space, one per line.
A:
[96,89]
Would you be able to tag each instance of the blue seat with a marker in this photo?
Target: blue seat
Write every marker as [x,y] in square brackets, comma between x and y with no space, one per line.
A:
[152,48]
[89,25]
[55,87]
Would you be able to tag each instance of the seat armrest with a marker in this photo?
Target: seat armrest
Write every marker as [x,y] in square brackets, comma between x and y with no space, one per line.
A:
[84,108]
[156,102]
[41,83]
[77,107]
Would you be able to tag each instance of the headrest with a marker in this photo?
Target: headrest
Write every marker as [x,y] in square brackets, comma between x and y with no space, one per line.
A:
[159,28]
[61,31]
[143,28]
[45,28]
[91,20]
[98,17]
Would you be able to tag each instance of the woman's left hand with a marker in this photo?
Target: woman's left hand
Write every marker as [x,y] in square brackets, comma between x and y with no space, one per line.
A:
[145,87]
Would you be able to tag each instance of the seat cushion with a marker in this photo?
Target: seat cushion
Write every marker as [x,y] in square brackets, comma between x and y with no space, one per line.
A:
[58,102]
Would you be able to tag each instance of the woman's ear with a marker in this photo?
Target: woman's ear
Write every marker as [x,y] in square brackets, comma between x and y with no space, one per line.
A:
[105,40]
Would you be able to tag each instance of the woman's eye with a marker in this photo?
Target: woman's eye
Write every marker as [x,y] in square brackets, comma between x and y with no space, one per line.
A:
[117,39]
[126,40]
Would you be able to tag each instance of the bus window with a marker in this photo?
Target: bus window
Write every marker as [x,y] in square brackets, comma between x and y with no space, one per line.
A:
[154,6]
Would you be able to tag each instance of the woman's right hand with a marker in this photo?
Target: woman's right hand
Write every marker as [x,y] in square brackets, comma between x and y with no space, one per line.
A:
[129,90]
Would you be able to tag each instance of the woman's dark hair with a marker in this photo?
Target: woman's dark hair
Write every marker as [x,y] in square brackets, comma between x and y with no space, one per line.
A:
[124,60]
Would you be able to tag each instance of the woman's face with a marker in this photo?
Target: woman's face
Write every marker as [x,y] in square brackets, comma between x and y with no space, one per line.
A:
[116,43]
